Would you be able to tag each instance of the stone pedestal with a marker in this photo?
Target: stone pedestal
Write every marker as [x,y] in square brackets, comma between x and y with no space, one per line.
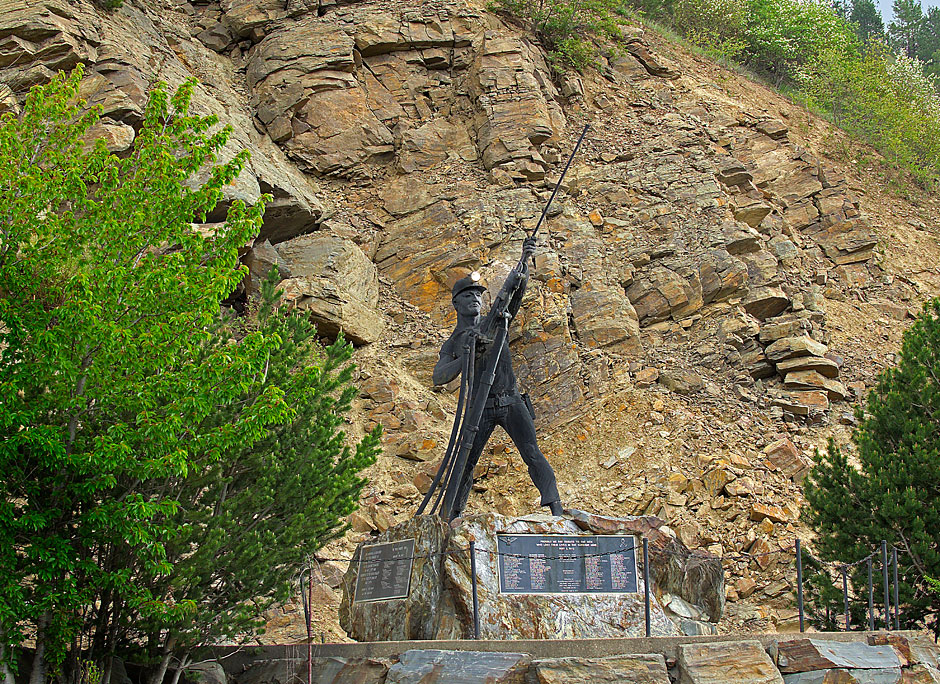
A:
[440,601]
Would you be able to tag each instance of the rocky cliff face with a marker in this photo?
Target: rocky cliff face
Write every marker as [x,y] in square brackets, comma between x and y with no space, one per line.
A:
[710,292]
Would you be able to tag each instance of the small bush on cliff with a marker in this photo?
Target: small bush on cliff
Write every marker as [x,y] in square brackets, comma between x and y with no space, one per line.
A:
[893,491]
[135,433]
[568,29]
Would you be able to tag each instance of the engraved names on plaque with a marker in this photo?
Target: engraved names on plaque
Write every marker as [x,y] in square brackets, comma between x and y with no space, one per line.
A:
[385,571]
[567,564]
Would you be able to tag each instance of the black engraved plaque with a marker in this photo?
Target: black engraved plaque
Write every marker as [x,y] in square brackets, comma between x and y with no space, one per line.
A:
[566,564]
[385,571]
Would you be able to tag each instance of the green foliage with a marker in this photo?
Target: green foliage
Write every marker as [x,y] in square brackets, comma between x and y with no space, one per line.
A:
[568,29]
[110,4]
[718,26]
[783,36]
[886,100]
[867,19]
[247,521]
[119,388]
[893,492]
[904,30]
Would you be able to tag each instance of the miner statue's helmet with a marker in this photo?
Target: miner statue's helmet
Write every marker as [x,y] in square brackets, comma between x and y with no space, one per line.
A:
[470,282]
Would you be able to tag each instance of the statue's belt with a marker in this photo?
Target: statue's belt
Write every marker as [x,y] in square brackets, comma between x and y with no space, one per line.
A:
[502,399]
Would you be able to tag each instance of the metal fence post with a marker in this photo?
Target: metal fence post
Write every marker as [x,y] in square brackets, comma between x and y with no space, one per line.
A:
[473,584]
[646,580]
[845,596]
[897,603]
[309,622]
[799,582]
[884,572]
[871,601]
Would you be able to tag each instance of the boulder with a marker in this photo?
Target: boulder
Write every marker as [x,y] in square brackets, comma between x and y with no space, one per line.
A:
[331,670]
[425,614]
[818,364]
[812,380]
[440,605]
[910,651]
[681,382]
[206,672]
[429,666]
[738,662]
[245,16]
[695,576]
[803,655]
[335,282]
[790,347]
[766,302]
[639,669]
[260,259]
[539,616]
[605,319]
[661,293]
[722,276]
[775,514]
[846,242]
[783,456]
[920,674]
[802,403]
[840,676]
[785,326]
[338,259]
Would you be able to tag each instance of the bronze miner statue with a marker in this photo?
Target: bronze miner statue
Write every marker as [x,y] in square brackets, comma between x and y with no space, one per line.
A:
[503,404]
[478,351]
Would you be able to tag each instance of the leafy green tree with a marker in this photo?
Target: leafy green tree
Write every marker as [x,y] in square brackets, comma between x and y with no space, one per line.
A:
[893,491]
[115,385]
[785,36]
[906,26]
[867,19]
[248,521]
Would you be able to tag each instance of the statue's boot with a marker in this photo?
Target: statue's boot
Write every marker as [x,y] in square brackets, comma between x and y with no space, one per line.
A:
[556,509]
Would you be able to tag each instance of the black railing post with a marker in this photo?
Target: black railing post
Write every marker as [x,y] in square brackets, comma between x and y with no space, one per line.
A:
[897,603]
[799,582]
[646,580]
[884,573]
[473,585]
[871,600]
[845,597]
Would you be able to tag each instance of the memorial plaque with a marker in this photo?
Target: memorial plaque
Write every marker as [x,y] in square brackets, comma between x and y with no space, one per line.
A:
[385,571]
[567,564]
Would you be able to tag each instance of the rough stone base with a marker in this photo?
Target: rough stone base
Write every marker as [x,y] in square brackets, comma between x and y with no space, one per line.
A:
[440,603]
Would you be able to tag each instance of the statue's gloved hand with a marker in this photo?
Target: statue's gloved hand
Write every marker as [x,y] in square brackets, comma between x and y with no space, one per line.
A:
[528,248]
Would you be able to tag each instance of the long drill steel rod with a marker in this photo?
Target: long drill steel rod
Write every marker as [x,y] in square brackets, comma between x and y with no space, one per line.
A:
[558,184]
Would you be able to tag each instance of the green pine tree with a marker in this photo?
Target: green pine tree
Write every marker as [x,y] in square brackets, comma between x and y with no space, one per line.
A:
[893,491]
[867,18]
[249,520]
[904,30]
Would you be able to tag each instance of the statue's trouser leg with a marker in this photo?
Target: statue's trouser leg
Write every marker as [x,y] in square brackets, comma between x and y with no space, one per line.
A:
[518,423]
[487,423]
